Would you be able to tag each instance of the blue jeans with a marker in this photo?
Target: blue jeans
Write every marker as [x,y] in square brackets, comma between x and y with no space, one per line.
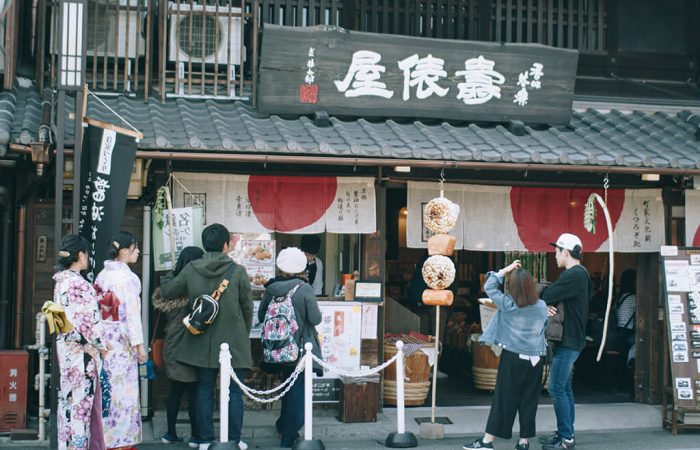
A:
[560,389]
[292,414]
[206,387]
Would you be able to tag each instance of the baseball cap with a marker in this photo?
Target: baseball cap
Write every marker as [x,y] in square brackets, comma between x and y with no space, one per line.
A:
[570,242]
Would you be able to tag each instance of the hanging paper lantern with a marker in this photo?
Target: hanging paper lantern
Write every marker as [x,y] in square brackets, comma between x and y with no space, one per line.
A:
[440,215]
[438,272]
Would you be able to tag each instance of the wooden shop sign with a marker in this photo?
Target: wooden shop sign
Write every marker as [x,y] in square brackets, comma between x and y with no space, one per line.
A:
[349,73]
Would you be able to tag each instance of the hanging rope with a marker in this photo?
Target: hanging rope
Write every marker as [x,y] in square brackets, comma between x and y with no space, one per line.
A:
[113,111]
[589,222]
[194,199]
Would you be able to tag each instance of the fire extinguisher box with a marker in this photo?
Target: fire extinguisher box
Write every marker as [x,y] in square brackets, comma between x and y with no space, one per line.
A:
[13,389]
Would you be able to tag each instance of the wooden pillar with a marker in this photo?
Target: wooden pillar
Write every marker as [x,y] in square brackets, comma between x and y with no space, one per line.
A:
[650,331]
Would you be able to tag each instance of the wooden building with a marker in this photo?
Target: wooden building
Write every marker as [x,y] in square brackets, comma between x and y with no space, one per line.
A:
[189,75]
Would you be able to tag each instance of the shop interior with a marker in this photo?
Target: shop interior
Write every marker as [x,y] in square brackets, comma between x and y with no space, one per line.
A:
[459,383]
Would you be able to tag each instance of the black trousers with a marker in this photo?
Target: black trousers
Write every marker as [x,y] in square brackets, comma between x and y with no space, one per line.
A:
[518,387]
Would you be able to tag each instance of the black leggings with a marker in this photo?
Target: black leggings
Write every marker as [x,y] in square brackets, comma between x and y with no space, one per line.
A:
[177,389]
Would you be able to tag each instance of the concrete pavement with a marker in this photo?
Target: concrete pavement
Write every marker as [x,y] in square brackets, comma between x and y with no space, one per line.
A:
[623,440]
[466,421]
[622,426]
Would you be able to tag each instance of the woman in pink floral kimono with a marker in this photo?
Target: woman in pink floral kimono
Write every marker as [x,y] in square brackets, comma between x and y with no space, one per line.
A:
[78,352]
[119,294]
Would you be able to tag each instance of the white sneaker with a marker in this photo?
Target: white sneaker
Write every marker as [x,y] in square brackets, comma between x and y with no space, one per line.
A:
[242,445]
[204,446]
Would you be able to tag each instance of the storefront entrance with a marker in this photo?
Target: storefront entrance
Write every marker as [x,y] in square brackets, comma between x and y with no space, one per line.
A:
[467,371]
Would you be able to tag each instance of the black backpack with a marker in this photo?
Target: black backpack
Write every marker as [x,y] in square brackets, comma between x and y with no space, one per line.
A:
[206,307]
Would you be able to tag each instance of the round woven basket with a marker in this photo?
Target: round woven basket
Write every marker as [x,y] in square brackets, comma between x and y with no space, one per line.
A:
[415,394]
[416,374]
[485,367]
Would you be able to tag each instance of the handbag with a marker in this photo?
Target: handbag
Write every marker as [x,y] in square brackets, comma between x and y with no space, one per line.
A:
[555,325]
[206,307]
[157,345]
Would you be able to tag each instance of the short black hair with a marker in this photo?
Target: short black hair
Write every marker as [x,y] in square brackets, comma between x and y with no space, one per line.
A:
[214,237]
[310,243]
[628,282]
[121,240]
[71,246]
[187,254]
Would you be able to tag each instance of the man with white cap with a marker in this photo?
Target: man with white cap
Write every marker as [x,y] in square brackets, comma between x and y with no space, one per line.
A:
[572,289]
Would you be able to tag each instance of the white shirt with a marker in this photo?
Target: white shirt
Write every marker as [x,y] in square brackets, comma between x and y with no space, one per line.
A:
[318,281]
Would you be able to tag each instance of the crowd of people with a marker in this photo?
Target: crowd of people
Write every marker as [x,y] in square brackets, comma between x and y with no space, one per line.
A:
[101,344]
[99,347]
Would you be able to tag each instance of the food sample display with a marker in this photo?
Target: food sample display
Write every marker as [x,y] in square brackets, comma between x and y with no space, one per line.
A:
[440,215]
[439,272]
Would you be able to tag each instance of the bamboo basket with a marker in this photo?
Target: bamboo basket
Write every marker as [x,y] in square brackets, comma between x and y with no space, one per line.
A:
[485,368]
[417,377]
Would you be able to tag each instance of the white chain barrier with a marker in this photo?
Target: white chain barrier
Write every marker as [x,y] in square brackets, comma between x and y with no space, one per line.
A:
[359,374]
[287,384]
[305,365]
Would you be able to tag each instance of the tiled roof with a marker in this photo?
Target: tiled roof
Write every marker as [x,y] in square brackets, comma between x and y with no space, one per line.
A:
[20,116]
[632,139]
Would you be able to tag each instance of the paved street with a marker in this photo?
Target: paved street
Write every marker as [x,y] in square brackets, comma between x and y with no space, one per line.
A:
[627,440]
[634,440]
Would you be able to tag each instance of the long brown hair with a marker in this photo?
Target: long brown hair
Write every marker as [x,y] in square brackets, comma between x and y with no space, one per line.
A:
[521,287]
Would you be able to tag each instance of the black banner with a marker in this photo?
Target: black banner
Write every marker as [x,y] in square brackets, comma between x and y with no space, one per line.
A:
[106,165]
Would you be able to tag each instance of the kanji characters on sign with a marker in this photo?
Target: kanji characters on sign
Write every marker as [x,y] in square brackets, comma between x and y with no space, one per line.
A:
[363,76]
[481,81]
[423,73]
[308,93]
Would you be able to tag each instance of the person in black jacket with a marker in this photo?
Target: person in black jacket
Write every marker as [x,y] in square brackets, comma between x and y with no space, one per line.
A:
[573,289]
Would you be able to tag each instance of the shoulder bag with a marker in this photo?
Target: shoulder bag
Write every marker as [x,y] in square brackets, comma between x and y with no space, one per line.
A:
[206,307]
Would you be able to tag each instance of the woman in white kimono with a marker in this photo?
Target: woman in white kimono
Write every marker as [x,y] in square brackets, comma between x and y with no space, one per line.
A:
[119,294]
[78,351]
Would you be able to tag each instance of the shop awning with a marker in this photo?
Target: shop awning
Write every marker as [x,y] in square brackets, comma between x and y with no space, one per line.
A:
[636,139]
[504,218]
[288,204]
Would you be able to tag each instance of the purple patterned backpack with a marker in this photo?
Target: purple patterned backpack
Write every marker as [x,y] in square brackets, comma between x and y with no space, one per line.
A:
[280,330]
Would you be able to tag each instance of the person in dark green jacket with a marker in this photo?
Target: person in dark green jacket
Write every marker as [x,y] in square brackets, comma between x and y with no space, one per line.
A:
[232,326]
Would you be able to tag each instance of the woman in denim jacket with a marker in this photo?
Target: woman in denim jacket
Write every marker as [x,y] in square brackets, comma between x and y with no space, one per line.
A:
[518,328]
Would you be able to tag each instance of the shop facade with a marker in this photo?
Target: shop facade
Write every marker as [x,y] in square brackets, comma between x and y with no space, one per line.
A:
[520,159]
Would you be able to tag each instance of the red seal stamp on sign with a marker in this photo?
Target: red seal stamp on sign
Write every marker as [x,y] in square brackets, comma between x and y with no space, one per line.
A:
[308,93]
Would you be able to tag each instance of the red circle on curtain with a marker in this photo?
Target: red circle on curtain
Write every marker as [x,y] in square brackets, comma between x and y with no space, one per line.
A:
[696,238]
[542,214]
[286,203]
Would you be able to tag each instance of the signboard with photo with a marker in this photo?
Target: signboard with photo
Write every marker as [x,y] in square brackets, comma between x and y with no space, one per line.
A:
[682,289]
[339,334]
[258,258]
[188,224]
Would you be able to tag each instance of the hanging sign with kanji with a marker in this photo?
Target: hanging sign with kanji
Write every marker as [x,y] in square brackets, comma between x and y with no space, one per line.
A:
[349,73]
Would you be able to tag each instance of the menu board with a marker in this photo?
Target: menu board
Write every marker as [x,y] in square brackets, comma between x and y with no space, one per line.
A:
[339,334]
[258,258]
[682,288]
